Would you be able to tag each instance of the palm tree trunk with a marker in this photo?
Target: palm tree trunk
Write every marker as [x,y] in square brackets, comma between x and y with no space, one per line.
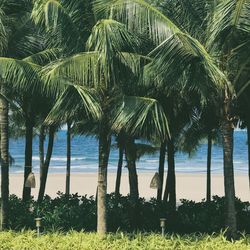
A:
[46,164]
[41,149]
[161,169]
[67,192]
[4,125]
[104,150]
[170,190]
[130,151]
[131,164]
[227,136]
[119,171]
[28,157]
[248,144]
[209,154]
[133,180]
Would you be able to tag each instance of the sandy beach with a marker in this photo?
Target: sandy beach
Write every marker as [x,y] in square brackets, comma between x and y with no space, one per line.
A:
[189,186]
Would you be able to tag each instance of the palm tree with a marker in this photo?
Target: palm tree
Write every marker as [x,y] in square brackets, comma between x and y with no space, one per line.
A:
[12,70]
[229,32]
[4,159]
[108,50]
[180,53]
[15,43]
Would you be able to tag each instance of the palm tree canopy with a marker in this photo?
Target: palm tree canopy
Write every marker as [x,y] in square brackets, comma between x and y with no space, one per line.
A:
[176,49]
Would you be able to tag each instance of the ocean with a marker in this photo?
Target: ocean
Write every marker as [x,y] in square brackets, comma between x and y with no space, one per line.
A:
[85,156]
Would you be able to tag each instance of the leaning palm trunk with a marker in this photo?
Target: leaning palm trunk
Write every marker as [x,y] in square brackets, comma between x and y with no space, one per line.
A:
[209,152]
[161,169]
[41,149]
[248,144]
[104,150]
[170,190]
[67,191]
[4,122]
[131,164]
[45,168]
[28,157]
[227,135]
[119,172]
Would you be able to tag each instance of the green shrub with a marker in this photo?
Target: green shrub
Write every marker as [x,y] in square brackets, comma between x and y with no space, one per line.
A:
[79,213]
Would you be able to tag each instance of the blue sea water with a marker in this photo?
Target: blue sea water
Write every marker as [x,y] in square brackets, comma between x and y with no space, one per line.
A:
[85,156]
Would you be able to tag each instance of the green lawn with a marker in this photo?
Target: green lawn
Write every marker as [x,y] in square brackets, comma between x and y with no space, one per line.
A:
[75,240]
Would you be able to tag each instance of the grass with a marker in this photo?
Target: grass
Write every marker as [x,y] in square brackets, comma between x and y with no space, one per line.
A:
[74,240]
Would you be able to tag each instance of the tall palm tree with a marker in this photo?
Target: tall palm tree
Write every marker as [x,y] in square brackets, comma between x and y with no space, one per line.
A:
[15,43]
[4,159]
[12,70]
[105,53]
[179,52]
[230,31]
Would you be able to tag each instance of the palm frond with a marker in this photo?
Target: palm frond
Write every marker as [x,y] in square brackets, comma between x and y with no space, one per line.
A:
[141,116]
[191,16]
[44,57]
[19,74]
[229,18]
[74,102]
[3,33]
[139,16]
[88,69]
[57,20]
[82,69]
[174,55]
[24,38]
[134,61]
[86,127]
[145,149]
[110,38]
[176,49]
[240,60]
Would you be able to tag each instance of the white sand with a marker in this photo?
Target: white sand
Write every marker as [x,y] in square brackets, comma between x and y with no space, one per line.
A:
[188,186]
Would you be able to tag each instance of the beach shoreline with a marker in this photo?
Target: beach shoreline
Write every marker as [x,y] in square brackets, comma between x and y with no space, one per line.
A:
[191,186]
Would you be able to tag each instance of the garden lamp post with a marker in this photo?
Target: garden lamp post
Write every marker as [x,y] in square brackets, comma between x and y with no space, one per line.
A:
[163,225]
[38,225]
